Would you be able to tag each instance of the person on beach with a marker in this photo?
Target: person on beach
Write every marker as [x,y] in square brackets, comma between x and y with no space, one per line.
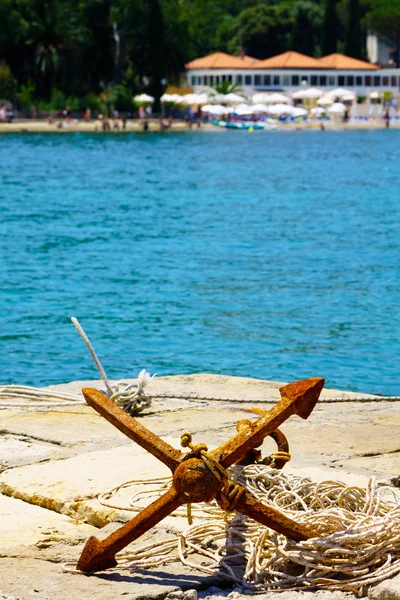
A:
[198,117]
[142,114]
[386,116]
[163,125]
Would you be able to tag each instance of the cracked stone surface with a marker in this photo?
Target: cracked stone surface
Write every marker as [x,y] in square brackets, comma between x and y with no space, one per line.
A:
[55,461]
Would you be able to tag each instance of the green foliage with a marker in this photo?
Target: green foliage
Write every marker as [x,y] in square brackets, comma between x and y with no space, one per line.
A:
[353,45]
[91,101]
[226,87]
[384,17]
[262,30]
[25,95]
[306,36]
[330,30]
[61,50]
[119,97]
[8,85]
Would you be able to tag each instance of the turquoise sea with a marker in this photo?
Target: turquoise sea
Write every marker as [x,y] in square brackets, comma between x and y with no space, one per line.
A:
[271,255]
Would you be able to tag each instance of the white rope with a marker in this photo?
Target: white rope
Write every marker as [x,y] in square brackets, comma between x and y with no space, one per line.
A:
[22,396]
[130,396]
[93,354]
[358,542]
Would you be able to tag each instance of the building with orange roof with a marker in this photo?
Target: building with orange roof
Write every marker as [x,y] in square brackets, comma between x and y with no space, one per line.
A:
[290,60]
[290,71]
[345,63]
[221,60]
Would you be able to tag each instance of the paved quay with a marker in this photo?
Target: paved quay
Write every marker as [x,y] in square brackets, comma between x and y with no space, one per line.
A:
[55,461]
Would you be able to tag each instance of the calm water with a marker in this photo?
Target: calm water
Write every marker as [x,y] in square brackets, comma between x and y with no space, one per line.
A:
[272,255]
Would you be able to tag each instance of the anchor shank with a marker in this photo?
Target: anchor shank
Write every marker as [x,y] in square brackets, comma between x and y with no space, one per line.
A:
[133,429]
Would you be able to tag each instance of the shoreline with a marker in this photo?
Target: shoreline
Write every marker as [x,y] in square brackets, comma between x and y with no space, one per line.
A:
[42,126]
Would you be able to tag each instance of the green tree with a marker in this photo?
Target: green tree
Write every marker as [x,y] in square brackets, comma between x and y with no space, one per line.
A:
[353,42]
[384,18]
[8,85]
[330,30]
[306,35]
[226,87]
[155,31]
[39,38]
[262,31]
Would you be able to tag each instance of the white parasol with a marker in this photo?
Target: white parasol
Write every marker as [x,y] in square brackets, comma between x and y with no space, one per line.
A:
[325,101]
[309,94]
[337,108]
[144,98]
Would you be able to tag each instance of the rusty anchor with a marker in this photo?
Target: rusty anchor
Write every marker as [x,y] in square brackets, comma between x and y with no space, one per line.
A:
[199,475]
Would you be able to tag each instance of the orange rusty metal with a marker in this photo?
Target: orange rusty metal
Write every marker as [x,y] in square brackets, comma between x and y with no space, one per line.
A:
[254,455]
[198,480]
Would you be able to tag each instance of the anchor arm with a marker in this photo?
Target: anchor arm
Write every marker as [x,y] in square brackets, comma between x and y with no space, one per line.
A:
[99,555]
[297,398]
[133,429]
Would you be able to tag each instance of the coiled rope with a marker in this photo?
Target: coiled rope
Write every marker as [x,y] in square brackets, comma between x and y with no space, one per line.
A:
[359,542]
[129,396]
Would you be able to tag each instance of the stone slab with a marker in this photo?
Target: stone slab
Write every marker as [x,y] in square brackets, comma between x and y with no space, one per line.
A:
[386,590]
[384,466]
[66,429]
[16,450]
[28,579]
[70,486]
[25,528]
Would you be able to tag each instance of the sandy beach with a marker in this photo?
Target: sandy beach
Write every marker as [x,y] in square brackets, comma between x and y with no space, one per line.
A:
[42,126]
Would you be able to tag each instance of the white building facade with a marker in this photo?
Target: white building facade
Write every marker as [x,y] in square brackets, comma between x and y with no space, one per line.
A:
[259,78]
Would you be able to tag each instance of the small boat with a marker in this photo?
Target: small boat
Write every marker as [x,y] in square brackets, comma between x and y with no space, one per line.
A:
[235,125]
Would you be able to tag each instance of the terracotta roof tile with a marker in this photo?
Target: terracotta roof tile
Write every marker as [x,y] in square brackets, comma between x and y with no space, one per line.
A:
[290,60]
[342,62]
[220,60]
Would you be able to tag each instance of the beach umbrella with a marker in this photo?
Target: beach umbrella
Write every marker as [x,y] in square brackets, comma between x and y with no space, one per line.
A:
[337,108]
[339,92]
[309,94]
[144,98]
[191,99]
[318,110]
[348,98]
[298,112]
[232,98]
[260,97]
[281,109]
[325,101]
[217,98]
[277,99]
[259,108]
[374,95]
[216,109]
[243,109]
[177,98]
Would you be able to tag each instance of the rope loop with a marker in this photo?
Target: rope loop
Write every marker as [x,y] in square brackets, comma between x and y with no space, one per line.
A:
[281,455]
[230,495]
[197,449]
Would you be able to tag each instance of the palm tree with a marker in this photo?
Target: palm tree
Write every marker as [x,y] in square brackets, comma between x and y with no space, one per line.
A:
[226,87]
